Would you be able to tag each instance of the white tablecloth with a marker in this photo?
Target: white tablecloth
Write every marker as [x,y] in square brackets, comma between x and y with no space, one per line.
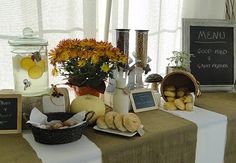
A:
[80,151]
[211,134]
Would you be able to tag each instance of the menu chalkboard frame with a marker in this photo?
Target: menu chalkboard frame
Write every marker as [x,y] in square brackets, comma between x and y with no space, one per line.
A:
[7,97]
[187,23]
[143,92]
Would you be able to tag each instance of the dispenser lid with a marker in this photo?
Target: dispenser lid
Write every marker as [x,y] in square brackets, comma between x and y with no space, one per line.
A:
[28,39]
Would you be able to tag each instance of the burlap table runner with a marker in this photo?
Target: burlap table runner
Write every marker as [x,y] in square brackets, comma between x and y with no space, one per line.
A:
[223,103]
[167,139]
[15,149]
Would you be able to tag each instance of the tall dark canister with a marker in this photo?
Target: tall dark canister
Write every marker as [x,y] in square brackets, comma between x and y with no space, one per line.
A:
[122,40]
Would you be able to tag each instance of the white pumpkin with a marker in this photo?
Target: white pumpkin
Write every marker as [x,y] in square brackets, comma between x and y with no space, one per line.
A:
[88,103]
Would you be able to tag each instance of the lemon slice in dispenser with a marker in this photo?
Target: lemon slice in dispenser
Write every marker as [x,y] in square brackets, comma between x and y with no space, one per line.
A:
[42,64]
[26,63]
[35,72]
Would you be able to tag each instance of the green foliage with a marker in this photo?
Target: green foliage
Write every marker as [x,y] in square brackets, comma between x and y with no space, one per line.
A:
[180,59]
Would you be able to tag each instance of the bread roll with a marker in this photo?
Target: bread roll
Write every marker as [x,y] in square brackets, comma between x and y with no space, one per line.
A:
[170,106]
[109,119]
[169,93]
[57,125]
[69,123]
[63,127]
[179,104]
[131,122]
[118,121]
[180,93]
[189,106]
[169,88]
[188,99]
[101,122]
[170,99]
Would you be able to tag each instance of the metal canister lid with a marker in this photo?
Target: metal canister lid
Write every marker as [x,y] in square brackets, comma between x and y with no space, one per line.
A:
[28,39]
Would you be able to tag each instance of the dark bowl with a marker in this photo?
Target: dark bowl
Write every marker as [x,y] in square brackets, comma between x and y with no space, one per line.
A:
[58,136]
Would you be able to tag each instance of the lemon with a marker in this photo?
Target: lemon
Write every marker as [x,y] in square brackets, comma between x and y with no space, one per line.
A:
[26,63]
[35,72]
[42,64]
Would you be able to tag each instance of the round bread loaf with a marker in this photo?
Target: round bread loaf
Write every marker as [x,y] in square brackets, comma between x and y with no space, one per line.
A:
[180,93]
[189,106]
[169,88]
[109,119]
[69,123]
[169,93]
[188,99]
[118,121]
[101,122]
[131,122]
[170,106]
[179,104]
[57,125]
[170,99]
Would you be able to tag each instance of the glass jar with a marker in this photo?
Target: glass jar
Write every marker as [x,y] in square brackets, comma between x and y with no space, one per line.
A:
[30,64]
[122,40]
[141,47]
[141,55]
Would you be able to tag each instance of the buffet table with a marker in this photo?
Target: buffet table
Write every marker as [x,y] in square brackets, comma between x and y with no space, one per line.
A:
[167,138]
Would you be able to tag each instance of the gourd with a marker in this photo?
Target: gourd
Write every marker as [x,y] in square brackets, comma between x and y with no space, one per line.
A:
[88,103]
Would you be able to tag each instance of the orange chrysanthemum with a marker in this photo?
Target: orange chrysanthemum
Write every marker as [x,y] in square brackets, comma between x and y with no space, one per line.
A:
[85,62]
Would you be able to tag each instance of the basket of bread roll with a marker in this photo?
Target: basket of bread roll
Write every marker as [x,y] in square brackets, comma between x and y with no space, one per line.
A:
[59,127]
[123,123]
[178,89]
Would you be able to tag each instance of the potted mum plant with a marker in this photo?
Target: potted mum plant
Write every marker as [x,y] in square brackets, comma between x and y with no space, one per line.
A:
[87,63]
[179,61]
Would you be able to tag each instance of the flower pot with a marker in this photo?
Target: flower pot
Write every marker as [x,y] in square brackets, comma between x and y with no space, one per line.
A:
[84,90]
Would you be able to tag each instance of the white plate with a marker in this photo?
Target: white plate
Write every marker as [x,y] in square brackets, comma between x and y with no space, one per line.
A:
[111,131]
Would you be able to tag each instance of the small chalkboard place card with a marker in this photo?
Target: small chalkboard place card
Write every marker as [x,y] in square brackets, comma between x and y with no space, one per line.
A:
[10,113]
[143,100]
[212,42]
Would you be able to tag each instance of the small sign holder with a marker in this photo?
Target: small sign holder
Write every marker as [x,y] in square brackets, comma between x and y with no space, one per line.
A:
[10,113]
[143,100]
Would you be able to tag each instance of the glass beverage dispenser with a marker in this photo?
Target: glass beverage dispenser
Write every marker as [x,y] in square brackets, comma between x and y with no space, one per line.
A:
[30,64]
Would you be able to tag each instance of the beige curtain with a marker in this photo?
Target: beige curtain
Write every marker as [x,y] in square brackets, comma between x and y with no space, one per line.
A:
[51,19]
[58,19]
[163,20]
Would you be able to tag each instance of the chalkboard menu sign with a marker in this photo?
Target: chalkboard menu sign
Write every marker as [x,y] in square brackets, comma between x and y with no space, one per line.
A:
[213,46]
[10,113]
[143,100]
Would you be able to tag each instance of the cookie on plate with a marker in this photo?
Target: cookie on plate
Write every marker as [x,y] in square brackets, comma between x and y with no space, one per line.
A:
[109,119]
[118,121]
[131,122]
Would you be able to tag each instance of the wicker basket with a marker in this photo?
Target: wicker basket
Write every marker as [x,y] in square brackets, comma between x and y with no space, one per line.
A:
[58,136]
[180,79]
